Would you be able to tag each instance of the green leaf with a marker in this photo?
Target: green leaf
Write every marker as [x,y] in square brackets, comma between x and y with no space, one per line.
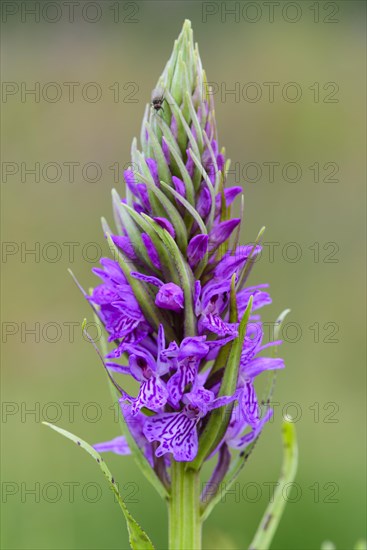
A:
[178,80]
[194,213]
[209,184]
[199,75]
[171,212]
[214,161]
[163,170]
[106,228]
[195,121]
[275,509]
[133,232]
[176,153]
[143,137]
[138,539]
[233,310]
[219,418]
[117,219]
[186,90]
[164,255]
[182,121]
[144,171]
[135,163]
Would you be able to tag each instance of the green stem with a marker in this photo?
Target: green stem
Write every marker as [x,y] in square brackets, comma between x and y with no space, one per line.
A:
[184,509]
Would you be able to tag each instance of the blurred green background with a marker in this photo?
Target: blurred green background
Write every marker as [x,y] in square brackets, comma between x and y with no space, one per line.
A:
[323,386]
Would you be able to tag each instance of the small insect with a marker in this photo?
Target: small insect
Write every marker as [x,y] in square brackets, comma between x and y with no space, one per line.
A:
[157,99]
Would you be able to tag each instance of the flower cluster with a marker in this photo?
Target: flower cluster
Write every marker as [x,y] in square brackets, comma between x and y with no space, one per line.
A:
[173,300]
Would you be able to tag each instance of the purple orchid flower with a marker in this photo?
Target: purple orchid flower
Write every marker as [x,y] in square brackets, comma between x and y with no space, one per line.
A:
[176,432]
[169,296]
[209,304]
[181,324]
[119,309]
[175,309]
[185,362]
[152,393]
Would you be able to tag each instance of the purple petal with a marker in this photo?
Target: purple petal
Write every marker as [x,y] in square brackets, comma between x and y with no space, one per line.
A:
[200,399]
[260,298]
[253,338]
[179,186]
[123,316]
[203,203]
[176,433]
[166,151]
[184,376]
[103,294]
[118,445]
[146,278]
[143,194]
[163,222]
[261,364]
[125,244]
[152,394]
[142,364]
[229,195]
[197,249]
[220,342]
[139,208]
[193,346]
[220,161]
[129,178]
[221,232]
[197,292]
[111,271]
[231,264]
[215,324]
[151,250]
[215,345]
[153,168]
[249,404]
[115,367]
[190,165]
[163,363]
[222,401]
[170,296]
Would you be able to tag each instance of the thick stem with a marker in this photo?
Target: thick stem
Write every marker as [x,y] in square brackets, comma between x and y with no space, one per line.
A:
[184,509]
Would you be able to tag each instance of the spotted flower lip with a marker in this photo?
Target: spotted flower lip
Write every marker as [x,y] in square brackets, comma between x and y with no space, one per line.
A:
[173,300]
[177,432]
